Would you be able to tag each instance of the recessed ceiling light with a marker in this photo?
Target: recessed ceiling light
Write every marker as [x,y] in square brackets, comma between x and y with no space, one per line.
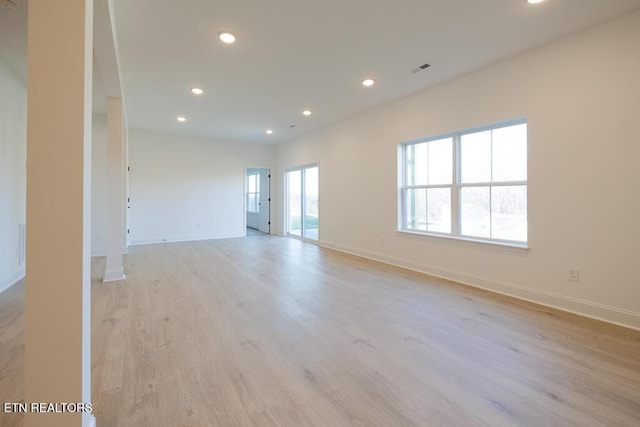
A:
[534,1]
[269,132]
[368,82]
[227,37]
[306,112]
[181,119]
[197,91]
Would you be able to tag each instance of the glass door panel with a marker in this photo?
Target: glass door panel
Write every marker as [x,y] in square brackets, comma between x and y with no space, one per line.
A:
[302,202]
[310,224]
[294,202]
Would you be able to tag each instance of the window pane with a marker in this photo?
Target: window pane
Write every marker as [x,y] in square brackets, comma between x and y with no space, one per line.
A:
[439,210]
[252,183]
[295,202]
[417,161]
[475,157]
[475,218]
[409,161]
[440,161]
[510,153]
[417,209]
[311,203]
[509,213]
[251,202]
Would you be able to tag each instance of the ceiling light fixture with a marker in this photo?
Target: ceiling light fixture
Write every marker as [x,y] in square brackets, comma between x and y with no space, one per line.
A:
[181,119]
[227,37]
[306,113]
[269,132]
[368,82]
[197,91]
[534,1]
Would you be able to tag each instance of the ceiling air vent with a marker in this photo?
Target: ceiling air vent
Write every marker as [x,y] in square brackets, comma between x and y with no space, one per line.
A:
[420,68]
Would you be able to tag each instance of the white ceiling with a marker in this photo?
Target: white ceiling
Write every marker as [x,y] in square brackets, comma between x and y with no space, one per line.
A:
[296,54]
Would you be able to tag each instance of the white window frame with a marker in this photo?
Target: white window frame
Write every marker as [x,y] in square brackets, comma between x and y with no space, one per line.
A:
[455,186]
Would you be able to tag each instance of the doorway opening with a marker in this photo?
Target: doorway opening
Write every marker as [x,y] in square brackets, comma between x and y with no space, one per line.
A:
[302,217]
[258,201]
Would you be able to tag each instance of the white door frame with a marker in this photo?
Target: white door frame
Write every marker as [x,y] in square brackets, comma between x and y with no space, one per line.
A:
[264,223]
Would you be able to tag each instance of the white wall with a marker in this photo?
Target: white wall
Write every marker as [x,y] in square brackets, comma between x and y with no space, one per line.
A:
[581,97]
[98,185]
[13,176]
[188,188]
[13,158]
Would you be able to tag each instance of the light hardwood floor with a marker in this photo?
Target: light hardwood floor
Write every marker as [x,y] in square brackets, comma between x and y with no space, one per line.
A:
[269,331]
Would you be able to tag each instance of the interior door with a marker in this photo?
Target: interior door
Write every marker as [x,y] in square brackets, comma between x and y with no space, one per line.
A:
[264,202]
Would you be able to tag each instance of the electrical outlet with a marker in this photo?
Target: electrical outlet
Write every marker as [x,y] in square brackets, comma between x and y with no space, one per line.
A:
[574,275]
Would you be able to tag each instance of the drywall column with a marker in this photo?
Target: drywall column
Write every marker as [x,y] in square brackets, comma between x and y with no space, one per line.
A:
[115,195]
[58,281]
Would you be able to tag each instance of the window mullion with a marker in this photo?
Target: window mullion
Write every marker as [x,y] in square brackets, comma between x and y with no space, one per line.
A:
[405,209]
[455,187]
[303,201]
[494,184]
[491,189]
[490,212]
[418,187]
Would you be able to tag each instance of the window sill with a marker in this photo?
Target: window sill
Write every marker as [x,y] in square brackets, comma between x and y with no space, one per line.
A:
[520,247]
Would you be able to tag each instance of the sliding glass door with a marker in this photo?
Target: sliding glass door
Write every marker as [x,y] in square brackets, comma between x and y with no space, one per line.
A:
[310,197]
[294,201]
[302,202]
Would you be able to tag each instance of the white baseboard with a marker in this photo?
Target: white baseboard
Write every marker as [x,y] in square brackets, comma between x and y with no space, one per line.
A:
[176,239]
[11,280]
[626,318]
